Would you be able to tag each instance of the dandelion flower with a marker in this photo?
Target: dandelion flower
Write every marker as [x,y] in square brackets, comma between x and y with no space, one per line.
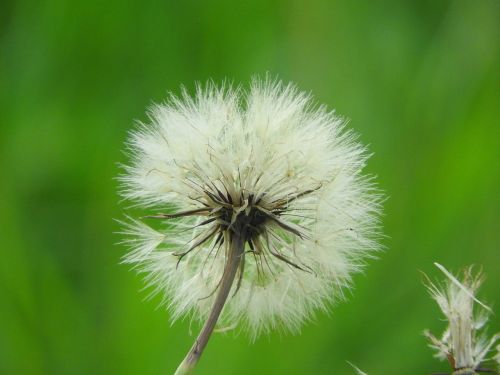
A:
[265,209]
[462,344]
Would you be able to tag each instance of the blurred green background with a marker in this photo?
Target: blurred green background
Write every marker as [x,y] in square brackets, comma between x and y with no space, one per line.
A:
[419,80]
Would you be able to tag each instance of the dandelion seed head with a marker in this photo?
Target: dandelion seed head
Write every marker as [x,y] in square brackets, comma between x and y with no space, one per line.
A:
[463,343]
[266,163]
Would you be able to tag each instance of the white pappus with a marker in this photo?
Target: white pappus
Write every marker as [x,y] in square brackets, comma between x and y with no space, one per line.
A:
[263,170]
[464,343]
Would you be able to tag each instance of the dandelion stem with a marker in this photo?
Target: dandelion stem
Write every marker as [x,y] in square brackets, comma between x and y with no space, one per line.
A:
[236,250]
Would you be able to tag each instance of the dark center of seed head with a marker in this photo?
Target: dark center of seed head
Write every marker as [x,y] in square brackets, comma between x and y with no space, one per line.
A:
[250,222]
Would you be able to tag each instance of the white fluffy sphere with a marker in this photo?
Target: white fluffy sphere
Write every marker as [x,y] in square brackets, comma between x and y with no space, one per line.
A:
[269,155]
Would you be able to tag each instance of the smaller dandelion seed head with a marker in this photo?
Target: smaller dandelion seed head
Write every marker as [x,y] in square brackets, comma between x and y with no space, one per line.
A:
[463,343]
[265,164]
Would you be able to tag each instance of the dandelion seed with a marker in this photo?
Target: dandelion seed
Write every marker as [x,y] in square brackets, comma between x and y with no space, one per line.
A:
[358,371]
[267,210]
[462,343]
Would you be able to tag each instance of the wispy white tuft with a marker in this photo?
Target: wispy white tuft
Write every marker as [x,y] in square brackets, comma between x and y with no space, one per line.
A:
[464,343]
[291,167]
[358,371]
